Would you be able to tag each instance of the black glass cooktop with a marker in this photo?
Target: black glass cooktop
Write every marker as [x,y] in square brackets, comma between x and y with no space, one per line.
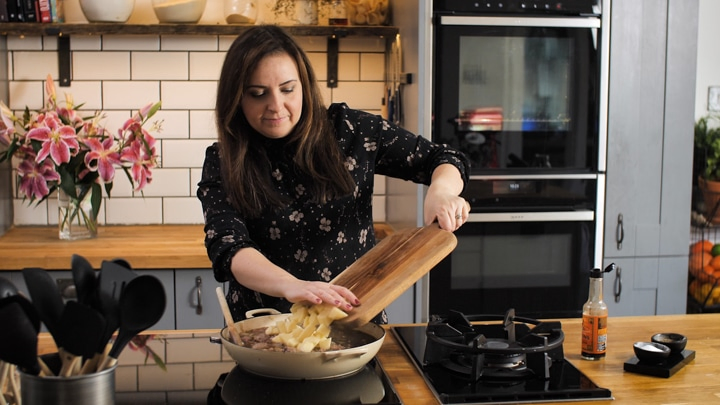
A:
[370,385]
[566,382]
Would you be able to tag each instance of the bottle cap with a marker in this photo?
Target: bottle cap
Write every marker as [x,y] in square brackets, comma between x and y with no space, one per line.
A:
[597,273]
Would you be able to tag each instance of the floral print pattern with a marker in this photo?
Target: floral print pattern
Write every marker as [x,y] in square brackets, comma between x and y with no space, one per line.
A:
[315,241]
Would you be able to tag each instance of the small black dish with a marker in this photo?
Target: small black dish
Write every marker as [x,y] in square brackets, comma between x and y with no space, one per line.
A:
[651,352]
[675,341]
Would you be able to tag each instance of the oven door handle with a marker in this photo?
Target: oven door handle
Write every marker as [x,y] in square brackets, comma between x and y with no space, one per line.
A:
[554,216]
[568,22]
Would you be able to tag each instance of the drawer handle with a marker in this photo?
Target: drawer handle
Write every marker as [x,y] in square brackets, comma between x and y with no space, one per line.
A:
[198,290]
[617,288]
[619,232]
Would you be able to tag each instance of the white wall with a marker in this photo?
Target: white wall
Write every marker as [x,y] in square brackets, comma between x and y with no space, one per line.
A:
[708,66]
[120,73]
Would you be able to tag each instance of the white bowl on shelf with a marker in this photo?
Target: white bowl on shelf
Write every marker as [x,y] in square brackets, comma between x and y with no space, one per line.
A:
[178,11]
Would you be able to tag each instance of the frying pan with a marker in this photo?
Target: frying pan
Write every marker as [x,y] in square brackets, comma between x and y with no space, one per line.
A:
[299,365]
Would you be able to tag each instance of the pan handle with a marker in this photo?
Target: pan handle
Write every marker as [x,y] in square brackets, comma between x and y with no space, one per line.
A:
[336,355]
[261,311]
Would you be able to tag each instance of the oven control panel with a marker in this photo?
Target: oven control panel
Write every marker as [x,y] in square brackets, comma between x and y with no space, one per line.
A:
[530,7]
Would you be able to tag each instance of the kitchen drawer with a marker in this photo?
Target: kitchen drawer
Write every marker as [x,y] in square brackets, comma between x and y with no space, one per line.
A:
[196,303]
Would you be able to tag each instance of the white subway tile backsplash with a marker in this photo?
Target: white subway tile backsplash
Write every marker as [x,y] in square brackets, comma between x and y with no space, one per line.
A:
[189,95]
[129,94]
[26,94]
[177,377]
[360,95]
[186,153]
[168,183]
[372,67]
[34,65]
[120,73]
[349,66]
[87,93]
[159,65]
[133,211]
[188,351]
[189,43]
[202,124]
[186,210]
[131,42]
[175,124]
[29,43]
[101,65]
[86,43]
[206,65]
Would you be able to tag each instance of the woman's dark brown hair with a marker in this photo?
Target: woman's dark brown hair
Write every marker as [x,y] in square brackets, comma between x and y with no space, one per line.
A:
[245,165]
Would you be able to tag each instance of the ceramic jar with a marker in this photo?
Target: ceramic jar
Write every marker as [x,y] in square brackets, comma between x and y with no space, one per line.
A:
[240,11]
[117,11]
[178,11]
[368,12]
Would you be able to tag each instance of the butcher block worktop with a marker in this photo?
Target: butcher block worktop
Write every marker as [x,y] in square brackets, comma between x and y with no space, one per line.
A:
[144,247]
[696,383]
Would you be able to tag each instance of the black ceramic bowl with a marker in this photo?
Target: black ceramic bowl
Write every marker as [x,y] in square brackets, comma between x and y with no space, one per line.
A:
[651,352]
[675,341]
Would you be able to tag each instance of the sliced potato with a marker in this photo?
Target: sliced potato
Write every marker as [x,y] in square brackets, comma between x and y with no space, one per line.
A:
[307,327]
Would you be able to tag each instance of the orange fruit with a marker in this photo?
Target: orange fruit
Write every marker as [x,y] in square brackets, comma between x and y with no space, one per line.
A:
[698,261]
[701,246]
[715,262]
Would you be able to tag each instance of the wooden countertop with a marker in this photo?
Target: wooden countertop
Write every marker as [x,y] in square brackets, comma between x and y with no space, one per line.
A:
[144,247]
[696,383]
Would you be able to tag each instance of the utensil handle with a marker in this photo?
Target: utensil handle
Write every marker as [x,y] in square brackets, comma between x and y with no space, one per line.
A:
[228,318]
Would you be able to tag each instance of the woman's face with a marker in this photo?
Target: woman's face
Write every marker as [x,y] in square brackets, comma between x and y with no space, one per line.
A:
[273,100]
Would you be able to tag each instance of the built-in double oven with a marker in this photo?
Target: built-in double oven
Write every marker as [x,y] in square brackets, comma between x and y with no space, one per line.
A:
[520,87]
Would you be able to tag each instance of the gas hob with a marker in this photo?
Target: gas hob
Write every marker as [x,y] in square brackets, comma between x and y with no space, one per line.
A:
[496,359]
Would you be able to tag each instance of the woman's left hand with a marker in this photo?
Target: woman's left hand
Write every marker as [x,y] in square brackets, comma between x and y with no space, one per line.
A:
[442,202]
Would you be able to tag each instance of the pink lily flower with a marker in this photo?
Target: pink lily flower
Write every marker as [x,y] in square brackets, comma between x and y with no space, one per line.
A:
[34,178]
[102,157]
[57,139]
[142,162]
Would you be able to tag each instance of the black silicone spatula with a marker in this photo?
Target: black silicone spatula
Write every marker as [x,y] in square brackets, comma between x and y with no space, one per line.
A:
[46,298]
[86,282]
[81,328]
[142,304]
[18,342]
[114,277]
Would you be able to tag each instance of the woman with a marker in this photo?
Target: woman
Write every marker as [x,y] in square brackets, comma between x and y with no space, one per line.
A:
[287,189]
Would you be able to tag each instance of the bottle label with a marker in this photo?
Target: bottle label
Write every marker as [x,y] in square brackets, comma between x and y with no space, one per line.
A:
[594,334]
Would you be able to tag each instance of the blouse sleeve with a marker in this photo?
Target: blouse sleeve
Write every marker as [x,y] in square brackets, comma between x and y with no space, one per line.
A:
[402,154]
[225,230]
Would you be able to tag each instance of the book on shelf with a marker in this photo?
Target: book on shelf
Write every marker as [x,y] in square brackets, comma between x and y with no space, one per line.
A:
[28,10]
[44,11]
[4,17]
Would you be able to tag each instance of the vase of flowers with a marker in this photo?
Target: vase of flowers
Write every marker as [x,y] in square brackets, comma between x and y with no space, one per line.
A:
[59,149]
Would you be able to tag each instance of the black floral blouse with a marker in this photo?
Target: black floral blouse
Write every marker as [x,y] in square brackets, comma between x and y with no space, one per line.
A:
[310,240]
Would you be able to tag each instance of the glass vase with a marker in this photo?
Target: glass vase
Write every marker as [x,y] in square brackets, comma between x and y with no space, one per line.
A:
[76,219]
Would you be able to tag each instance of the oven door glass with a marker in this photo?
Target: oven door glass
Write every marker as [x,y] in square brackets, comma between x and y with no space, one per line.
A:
[539,268]
[518,98]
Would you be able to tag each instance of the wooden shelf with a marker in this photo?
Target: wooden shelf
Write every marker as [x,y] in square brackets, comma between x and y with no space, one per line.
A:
[62,29]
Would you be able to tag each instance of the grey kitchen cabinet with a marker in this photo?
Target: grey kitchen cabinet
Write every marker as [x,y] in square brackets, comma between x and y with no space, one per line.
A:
[196,303]
[653,49]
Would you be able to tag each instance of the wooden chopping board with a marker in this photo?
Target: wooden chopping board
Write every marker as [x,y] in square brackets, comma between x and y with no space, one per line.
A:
[383,273]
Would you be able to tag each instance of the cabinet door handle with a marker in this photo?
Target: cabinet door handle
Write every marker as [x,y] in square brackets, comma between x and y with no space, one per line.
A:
[198,290]
[617,288]
[619,232]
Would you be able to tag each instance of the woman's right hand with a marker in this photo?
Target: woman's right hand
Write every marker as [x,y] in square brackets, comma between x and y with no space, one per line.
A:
[317,292]
[251,269]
